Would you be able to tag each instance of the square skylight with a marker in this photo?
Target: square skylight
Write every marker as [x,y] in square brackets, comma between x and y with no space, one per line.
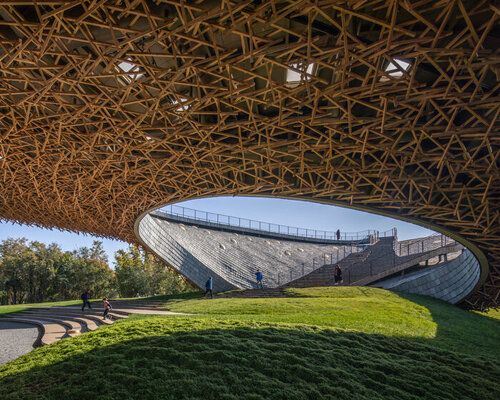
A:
[294,78]
[395,69]
[132,69]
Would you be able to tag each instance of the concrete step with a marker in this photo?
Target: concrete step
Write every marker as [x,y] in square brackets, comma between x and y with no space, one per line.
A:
[95,314]
[90,324]
[51,331]
[73,328]
[96,310]
[87,324]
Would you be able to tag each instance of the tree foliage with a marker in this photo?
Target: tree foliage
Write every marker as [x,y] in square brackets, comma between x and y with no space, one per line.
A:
[139,273]
[32,272]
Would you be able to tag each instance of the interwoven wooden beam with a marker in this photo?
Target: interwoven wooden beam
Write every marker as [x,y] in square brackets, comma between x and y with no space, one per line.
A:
[109,108]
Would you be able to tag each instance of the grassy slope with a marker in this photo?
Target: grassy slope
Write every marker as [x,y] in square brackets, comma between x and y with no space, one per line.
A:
[327,345]
[368,310]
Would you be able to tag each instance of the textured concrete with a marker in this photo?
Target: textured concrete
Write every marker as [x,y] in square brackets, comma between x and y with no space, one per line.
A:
[451,281]
[16,339]
[230,258]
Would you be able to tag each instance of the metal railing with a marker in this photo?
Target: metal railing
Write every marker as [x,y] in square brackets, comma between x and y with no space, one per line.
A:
[301,270]
[429,243]
[416,248]
[403,254]
[223,221]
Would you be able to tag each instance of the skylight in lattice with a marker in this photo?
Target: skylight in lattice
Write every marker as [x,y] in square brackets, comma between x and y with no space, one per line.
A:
[299,73]
[395,69]
[181,104]
[132,70]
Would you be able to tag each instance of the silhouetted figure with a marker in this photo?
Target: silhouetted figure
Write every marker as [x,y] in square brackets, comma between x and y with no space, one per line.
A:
[208,287]
[338,275]
[85,298]
[338,234]
[258,274]
[107,308]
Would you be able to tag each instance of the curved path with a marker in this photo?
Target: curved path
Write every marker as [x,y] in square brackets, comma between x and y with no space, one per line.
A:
[16,339]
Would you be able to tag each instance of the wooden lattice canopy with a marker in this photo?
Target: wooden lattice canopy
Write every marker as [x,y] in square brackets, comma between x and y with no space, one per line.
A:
[109,108]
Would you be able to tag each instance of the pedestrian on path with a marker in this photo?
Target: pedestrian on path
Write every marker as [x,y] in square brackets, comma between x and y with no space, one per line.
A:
[208,287]
[338,234]
[85,298]
[338,275]
[107,308]
[258,274]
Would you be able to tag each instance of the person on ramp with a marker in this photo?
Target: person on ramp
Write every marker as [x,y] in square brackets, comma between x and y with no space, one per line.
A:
[85,298]
[338,275]
[107,308]
[208,287]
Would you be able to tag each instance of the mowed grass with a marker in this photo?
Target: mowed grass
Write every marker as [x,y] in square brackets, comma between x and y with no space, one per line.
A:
[287,348]
[367,310]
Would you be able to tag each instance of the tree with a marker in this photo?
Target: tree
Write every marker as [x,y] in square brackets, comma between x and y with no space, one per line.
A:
[140,273]
[35,272]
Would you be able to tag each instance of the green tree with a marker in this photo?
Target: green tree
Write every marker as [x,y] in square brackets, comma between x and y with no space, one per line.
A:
[140,273]
[35,272]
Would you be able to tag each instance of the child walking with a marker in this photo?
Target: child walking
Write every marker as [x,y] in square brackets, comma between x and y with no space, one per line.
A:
[107,307]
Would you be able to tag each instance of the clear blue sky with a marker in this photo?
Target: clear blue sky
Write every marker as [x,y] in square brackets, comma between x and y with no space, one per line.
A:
[278,211]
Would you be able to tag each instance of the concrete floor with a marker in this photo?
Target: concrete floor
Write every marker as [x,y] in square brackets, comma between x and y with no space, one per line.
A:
[16,339]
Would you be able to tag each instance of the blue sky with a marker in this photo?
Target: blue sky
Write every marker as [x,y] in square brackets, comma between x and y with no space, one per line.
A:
[278,211]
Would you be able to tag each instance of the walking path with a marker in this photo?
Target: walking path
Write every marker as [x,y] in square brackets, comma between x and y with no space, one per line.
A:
[16,339]
[22,331]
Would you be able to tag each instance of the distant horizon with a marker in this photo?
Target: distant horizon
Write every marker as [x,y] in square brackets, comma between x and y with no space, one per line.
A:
[293,213]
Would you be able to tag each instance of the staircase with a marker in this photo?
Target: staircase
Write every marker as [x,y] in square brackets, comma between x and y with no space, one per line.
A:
[56,323]
[324,276]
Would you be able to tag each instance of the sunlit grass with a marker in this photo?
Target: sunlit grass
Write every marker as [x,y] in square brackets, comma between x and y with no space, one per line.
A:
[367,310]
[320,343]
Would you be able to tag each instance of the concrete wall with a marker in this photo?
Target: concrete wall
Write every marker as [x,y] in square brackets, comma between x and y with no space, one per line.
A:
[451,281]
[163,245]
[231,258]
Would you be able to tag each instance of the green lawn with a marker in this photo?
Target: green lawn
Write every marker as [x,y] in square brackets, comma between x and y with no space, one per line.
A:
[367,310]
[322,343]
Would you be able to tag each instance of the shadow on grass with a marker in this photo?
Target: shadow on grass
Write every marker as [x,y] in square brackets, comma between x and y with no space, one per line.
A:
[234,362]
[460,330]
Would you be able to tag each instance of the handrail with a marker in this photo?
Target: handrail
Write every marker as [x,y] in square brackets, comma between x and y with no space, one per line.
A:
[428,243]
[346,251]
[222,220]
[416,248]
[404,257]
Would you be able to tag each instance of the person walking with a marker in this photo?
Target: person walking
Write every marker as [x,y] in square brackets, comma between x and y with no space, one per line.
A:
[338,275]
[107,308]
[258,274]
[338,234]
[208,287]
[85,298]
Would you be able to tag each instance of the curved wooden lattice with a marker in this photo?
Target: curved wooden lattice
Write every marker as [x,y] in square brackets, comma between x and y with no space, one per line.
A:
[108,108]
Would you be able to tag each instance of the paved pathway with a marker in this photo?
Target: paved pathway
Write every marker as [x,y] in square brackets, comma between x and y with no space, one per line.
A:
[16,339]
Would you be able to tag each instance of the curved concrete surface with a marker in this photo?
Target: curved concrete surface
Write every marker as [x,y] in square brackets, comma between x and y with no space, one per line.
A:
[16,339]
[232,259]
[451,281]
